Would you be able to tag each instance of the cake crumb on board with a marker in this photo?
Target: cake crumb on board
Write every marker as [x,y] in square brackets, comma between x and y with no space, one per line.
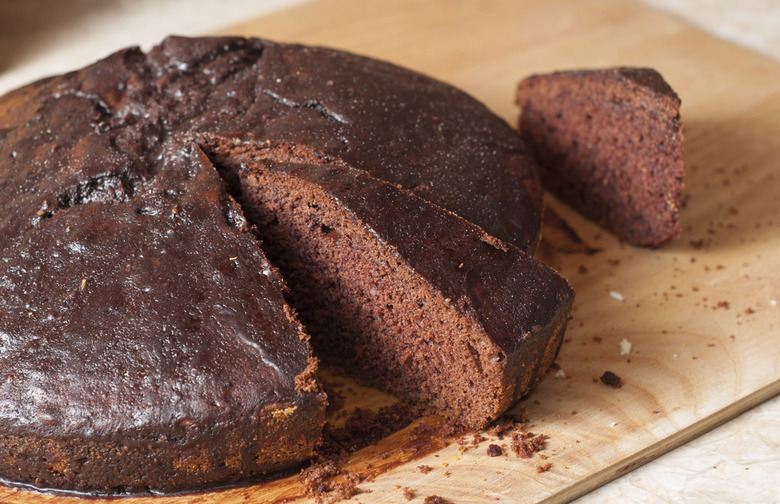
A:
[611,379]
[494,450]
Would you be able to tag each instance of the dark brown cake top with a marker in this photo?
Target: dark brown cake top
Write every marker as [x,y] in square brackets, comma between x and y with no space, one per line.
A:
[98,132]
[158,316]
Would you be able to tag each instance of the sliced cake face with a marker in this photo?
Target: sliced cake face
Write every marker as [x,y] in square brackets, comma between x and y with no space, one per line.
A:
[398,291]
[147,346]
[609,143]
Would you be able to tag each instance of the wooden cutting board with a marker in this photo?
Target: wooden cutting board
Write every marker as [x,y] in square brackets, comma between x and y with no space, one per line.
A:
[701,313]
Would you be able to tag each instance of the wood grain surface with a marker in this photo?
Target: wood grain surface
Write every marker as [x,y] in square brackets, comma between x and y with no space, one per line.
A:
[701,313]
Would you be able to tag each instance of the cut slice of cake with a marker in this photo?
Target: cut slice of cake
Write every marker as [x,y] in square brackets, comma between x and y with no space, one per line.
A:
[609,143]
[397,290]
[151,349]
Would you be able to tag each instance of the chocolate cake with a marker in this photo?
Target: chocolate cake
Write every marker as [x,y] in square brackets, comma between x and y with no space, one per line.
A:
[146,343]
[146,346]
[406,294]
[609,143]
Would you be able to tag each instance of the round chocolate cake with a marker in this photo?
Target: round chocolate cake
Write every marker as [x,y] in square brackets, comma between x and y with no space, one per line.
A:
[148,342]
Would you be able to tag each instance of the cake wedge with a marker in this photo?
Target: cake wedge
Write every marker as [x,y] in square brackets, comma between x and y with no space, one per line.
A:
[396,290]
[609,144]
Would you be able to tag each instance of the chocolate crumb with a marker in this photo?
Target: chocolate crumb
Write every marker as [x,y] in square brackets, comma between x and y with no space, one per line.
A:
[425,469]
[494,450]
[307,381]
[319,481]
[435,499]
[611,379]
[497,431]
[408,494]
[544,467]
[697,244]
[525,444]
